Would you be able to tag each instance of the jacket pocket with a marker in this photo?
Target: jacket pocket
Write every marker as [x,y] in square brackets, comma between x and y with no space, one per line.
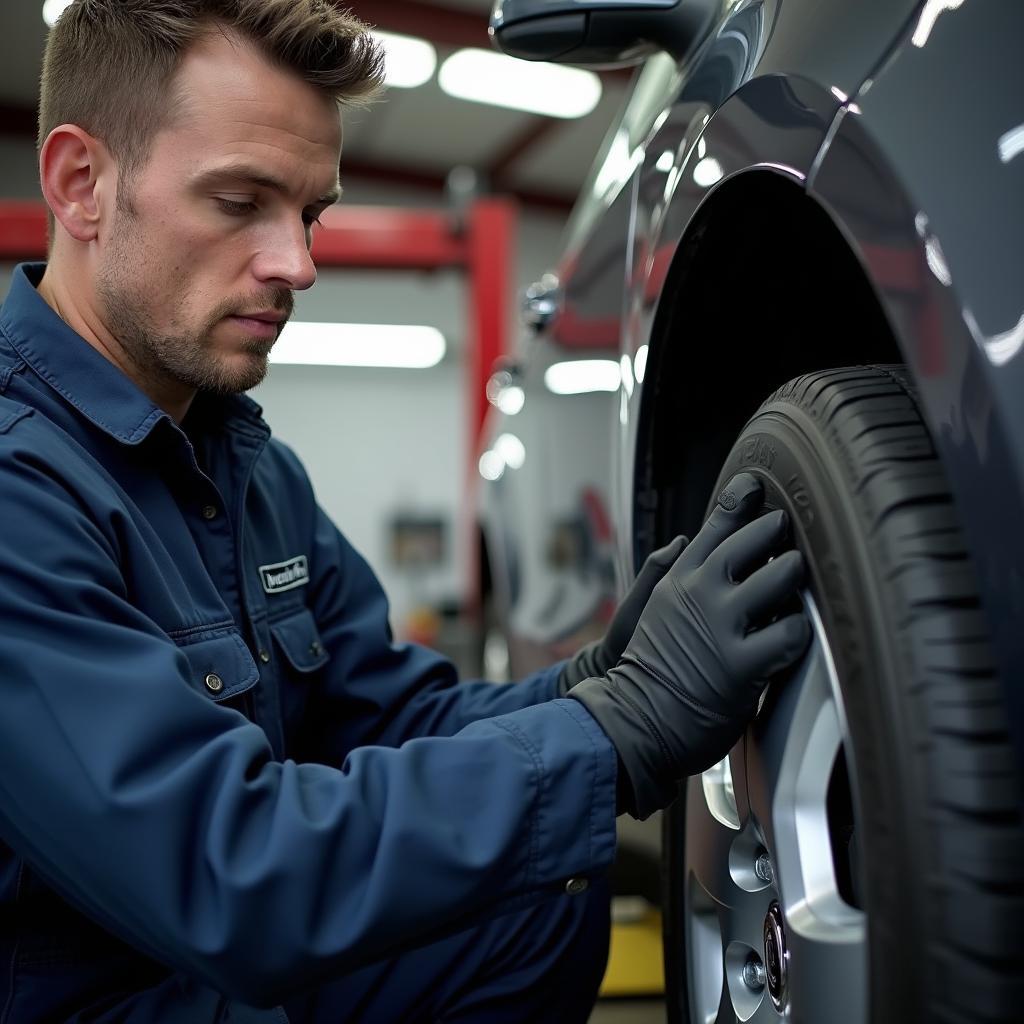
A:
[220,664]
[299,641]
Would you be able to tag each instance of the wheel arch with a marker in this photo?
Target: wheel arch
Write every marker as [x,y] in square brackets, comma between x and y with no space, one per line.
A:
[763,287]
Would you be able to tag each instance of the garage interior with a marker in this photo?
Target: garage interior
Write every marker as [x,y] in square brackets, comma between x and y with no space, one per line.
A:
[400,378]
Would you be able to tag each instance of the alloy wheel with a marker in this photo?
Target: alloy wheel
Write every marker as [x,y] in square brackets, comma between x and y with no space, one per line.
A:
[773,922]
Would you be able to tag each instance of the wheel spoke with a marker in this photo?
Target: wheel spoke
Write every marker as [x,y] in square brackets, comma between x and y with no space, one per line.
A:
[777,742]
[827,968]
[708,844]
[792,750]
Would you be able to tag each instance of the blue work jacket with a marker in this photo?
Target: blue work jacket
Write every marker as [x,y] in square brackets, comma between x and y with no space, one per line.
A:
[221,781]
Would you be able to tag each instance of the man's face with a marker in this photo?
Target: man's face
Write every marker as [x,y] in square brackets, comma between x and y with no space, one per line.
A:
[197,268]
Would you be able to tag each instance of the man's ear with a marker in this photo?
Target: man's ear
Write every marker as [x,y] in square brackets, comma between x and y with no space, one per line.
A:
[73,168]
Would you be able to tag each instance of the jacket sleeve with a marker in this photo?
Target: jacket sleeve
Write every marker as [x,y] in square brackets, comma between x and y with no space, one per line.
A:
[162,815]
[373,690]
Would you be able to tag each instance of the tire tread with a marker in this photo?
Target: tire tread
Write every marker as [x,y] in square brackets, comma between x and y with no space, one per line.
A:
[975,834]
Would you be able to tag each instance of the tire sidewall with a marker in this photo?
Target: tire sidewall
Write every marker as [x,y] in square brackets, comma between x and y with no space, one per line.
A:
[811,476]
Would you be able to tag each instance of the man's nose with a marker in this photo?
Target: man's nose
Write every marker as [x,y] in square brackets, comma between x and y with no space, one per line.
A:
[285,261]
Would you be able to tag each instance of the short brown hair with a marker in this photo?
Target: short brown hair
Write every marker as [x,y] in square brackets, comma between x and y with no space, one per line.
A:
[109,64]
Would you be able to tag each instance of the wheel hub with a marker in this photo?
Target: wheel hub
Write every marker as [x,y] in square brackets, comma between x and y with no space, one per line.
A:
[776,957]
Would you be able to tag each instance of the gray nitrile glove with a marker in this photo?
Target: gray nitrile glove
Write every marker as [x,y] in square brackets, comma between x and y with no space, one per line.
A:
[595,659]
[691,676]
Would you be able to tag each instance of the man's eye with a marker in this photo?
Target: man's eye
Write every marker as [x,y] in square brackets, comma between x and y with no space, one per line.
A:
[234,208]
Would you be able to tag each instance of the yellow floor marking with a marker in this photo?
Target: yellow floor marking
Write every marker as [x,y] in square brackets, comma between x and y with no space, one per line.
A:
[635,959]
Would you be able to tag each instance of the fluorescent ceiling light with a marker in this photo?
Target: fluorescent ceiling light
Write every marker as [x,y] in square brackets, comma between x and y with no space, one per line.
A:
[311,344]
[53,9]
[550,89]
[583,375]
[408,62]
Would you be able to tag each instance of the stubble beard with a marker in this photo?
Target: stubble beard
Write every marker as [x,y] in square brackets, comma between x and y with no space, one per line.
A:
[187,357]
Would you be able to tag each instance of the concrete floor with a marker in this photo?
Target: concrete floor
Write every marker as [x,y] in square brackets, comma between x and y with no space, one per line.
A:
[629,1011]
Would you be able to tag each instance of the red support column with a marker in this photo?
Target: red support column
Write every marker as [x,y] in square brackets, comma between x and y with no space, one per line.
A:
[491,246]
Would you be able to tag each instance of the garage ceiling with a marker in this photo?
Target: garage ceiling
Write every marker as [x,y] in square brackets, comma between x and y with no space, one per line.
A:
[411,137]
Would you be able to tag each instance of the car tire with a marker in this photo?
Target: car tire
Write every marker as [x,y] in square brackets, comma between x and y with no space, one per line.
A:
[911,913]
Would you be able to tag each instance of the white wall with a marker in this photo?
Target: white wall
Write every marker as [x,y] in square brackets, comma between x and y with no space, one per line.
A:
[375,442]
[381,442]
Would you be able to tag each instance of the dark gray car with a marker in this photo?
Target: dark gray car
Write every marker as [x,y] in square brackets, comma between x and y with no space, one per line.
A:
[801,253]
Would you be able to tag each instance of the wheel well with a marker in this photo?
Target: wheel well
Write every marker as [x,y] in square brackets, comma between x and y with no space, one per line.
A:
[763,288]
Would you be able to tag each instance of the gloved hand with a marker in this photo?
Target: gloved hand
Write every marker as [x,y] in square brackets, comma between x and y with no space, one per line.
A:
[595,659]
[691,676]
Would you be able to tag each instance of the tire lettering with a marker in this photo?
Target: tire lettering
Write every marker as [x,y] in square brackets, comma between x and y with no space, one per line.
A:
[759,452]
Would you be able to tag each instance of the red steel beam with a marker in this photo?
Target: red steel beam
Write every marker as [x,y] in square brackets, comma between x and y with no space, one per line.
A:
[22,230]
[385,238]
[380,238]
[373,238]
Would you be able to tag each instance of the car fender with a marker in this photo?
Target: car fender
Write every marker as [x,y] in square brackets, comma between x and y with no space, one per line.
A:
[947,263]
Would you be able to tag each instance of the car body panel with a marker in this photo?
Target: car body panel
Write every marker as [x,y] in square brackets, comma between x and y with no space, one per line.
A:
[874,109]
[934,207]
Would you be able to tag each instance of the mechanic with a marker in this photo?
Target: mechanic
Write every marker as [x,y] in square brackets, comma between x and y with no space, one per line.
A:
[224,790]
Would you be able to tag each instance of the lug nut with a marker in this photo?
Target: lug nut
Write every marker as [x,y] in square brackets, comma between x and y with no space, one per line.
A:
[753,974]
[763,868]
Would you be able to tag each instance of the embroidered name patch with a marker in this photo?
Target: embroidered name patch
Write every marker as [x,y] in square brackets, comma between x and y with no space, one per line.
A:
[285,575]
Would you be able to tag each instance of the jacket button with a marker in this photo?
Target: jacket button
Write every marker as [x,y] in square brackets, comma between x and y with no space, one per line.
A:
[316,648]
[214,683]
[264,656]
[576,885]
[209,511]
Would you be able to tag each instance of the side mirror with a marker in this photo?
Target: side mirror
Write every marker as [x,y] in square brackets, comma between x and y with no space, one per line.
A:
[599,33]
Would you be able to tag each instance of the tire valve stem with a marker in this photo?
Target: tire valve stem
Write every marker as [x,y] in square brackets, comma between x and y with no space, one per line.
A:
[763,868]
[753,973]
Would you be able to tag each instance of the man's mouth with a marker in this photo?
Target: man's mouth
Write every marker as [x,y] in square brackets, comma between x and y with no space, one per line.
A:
[263,325]
[270,316]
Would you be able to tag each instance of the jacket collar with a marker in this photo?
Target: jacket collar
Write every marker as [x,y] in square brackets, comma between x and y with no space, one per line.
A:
[91,383]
